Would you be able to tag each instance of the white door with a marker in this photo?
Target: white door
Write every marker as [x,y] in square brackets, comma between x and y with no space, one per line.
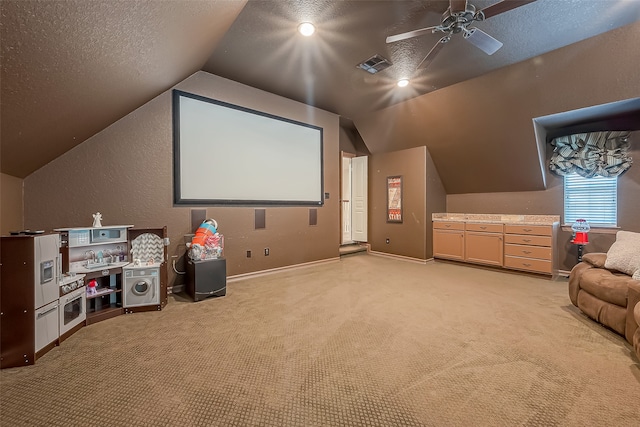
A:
[359,199]
[345,199]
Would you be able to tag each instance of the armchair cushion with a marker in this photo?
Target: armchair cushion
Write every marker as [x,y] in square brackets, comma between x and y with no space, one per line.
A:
[606,285]
[624,254]
[596,259]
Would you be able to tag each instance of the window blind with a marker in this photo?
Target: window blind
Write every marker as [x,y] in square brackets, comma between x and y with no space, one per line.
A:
[593,199]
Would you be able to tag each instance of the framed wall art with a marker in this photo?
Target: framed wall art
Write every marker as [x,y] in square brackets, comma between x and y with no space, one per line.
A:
[394,198]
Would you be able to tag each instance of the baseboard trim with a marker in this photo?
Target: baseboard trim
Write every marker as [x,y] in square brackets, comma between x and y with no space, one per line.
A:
[564,273]
[400,257]
[243,276]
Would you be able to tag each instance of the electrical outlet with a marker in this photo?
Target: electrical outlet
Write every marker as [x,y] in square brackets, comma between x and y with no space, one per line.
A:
[248,254]
[266,251]
[387,241]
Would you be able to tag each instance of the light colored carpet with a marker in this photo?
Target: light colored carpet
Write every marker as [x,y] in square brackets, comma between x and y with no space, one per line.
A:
[365,341]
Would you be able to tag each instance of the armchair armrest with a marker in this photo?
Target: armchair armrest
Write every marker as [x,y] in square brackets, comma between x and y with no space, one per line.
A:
[574,280]
[596,259]
[633,298]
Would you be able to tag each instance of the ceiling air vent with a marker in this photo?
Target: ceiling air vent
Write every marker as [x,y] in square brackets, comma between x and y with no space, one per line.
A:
[374,64]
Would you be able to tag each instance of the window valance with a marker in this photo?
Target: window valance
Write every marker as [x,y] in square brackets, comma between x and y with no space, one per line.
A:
[590,154]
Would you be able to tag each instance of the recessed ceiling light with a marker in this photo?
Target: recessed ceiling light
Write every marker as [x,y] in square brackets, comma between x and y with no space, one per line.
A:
[403,82]
[306,29]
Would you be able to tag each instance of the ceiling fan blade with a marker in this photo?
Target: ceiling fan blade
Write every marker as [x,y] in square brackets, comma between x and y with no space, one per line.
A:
[482,40]
[501,7]
[410,34]
[433,52]
[456,6]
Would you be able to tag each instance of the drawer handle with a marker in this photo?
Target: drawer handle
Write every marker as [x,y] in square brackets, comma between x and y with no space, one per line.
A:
[526,252]
[47,312]
[527,229]
[526,240]
[483,227]
[447,225]
[526,264]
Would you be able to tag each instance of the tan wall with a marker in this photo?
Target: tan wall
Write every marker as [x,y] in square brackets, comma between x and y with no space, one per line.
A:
[11,213]
[550,202]
[409,237]
[346,141]
[125,172]
[423,194]
[436,200]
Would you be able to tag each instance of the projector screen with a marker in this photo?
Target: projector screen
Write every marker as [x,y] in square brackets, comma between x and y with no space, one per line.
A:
[224,154]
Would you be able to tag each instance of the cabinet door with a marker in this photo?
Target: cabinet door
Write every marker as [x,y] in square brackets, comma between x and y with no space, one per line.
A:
[46,319]
[484,248]
[448,244]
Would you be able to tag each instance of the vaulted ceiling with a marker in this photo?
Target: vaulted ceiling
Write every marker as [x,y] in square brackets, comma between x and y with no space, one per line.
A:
[71,68]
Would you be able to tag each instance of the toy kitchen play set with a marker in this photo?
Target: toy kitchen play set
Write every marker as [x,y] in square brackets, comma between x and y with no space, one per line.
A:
[108,271]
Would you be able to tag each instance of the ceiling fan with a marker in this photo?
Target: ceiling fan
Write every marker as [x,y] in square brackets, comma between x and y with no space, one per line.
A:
[458,19]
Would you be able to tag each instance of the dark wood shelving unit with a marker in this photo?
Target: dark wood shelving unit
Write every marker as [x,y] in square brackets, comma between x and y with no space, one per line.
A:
[103,292]
[106,312]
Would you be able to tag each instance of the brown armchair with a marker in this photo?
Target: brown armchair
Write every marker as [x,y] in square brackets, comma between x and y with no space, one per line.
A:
[607,296]
[632,332]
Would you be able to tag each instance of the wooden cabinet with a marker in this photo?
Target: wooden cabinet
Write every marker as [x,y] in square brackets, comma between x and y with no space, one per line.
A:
[524,247]
[530,248]
[484,244]
[448,240]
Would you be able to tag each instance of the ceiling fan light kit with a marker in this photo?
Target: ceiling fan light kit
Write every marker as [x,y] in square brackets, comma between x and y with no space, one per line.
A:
[457,19]
[482,40]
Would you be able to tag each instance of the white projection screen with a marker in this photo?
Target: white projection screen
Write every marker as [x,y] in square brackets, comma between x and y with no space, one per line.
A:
[224,154]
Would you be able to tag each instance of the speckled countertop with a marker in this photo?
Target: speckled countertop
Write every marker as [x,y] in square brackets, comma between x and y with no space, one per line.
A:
[497,218]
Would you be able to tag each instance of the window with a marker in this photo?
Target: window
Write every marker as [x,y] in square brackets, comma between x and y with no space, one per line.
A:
[594,199]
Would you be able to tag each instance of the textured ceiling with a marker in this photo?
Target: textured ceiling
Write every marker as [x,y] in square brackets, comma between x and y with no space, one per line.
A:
[71,68]
[262,48]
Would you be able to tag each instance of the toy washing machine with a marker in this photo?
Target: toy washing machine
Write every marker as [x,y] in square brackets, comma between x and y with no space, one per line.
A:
[141,286]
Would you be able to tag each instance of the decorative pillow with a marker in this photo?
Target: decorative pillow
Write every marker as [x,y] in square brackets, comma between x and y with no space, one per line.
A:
[624,254]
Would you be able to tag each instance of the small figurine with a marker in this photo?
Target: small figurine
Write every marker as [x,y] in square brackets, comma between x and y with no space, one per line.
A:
[97,217]
[91,287]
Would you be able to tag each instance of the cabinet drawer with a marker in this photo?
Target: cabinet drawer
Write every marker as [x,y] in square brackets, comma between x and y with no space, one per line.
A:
[537,230]
[489,228]
[529,264]
[527,240]
[448,225]
[539,252]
